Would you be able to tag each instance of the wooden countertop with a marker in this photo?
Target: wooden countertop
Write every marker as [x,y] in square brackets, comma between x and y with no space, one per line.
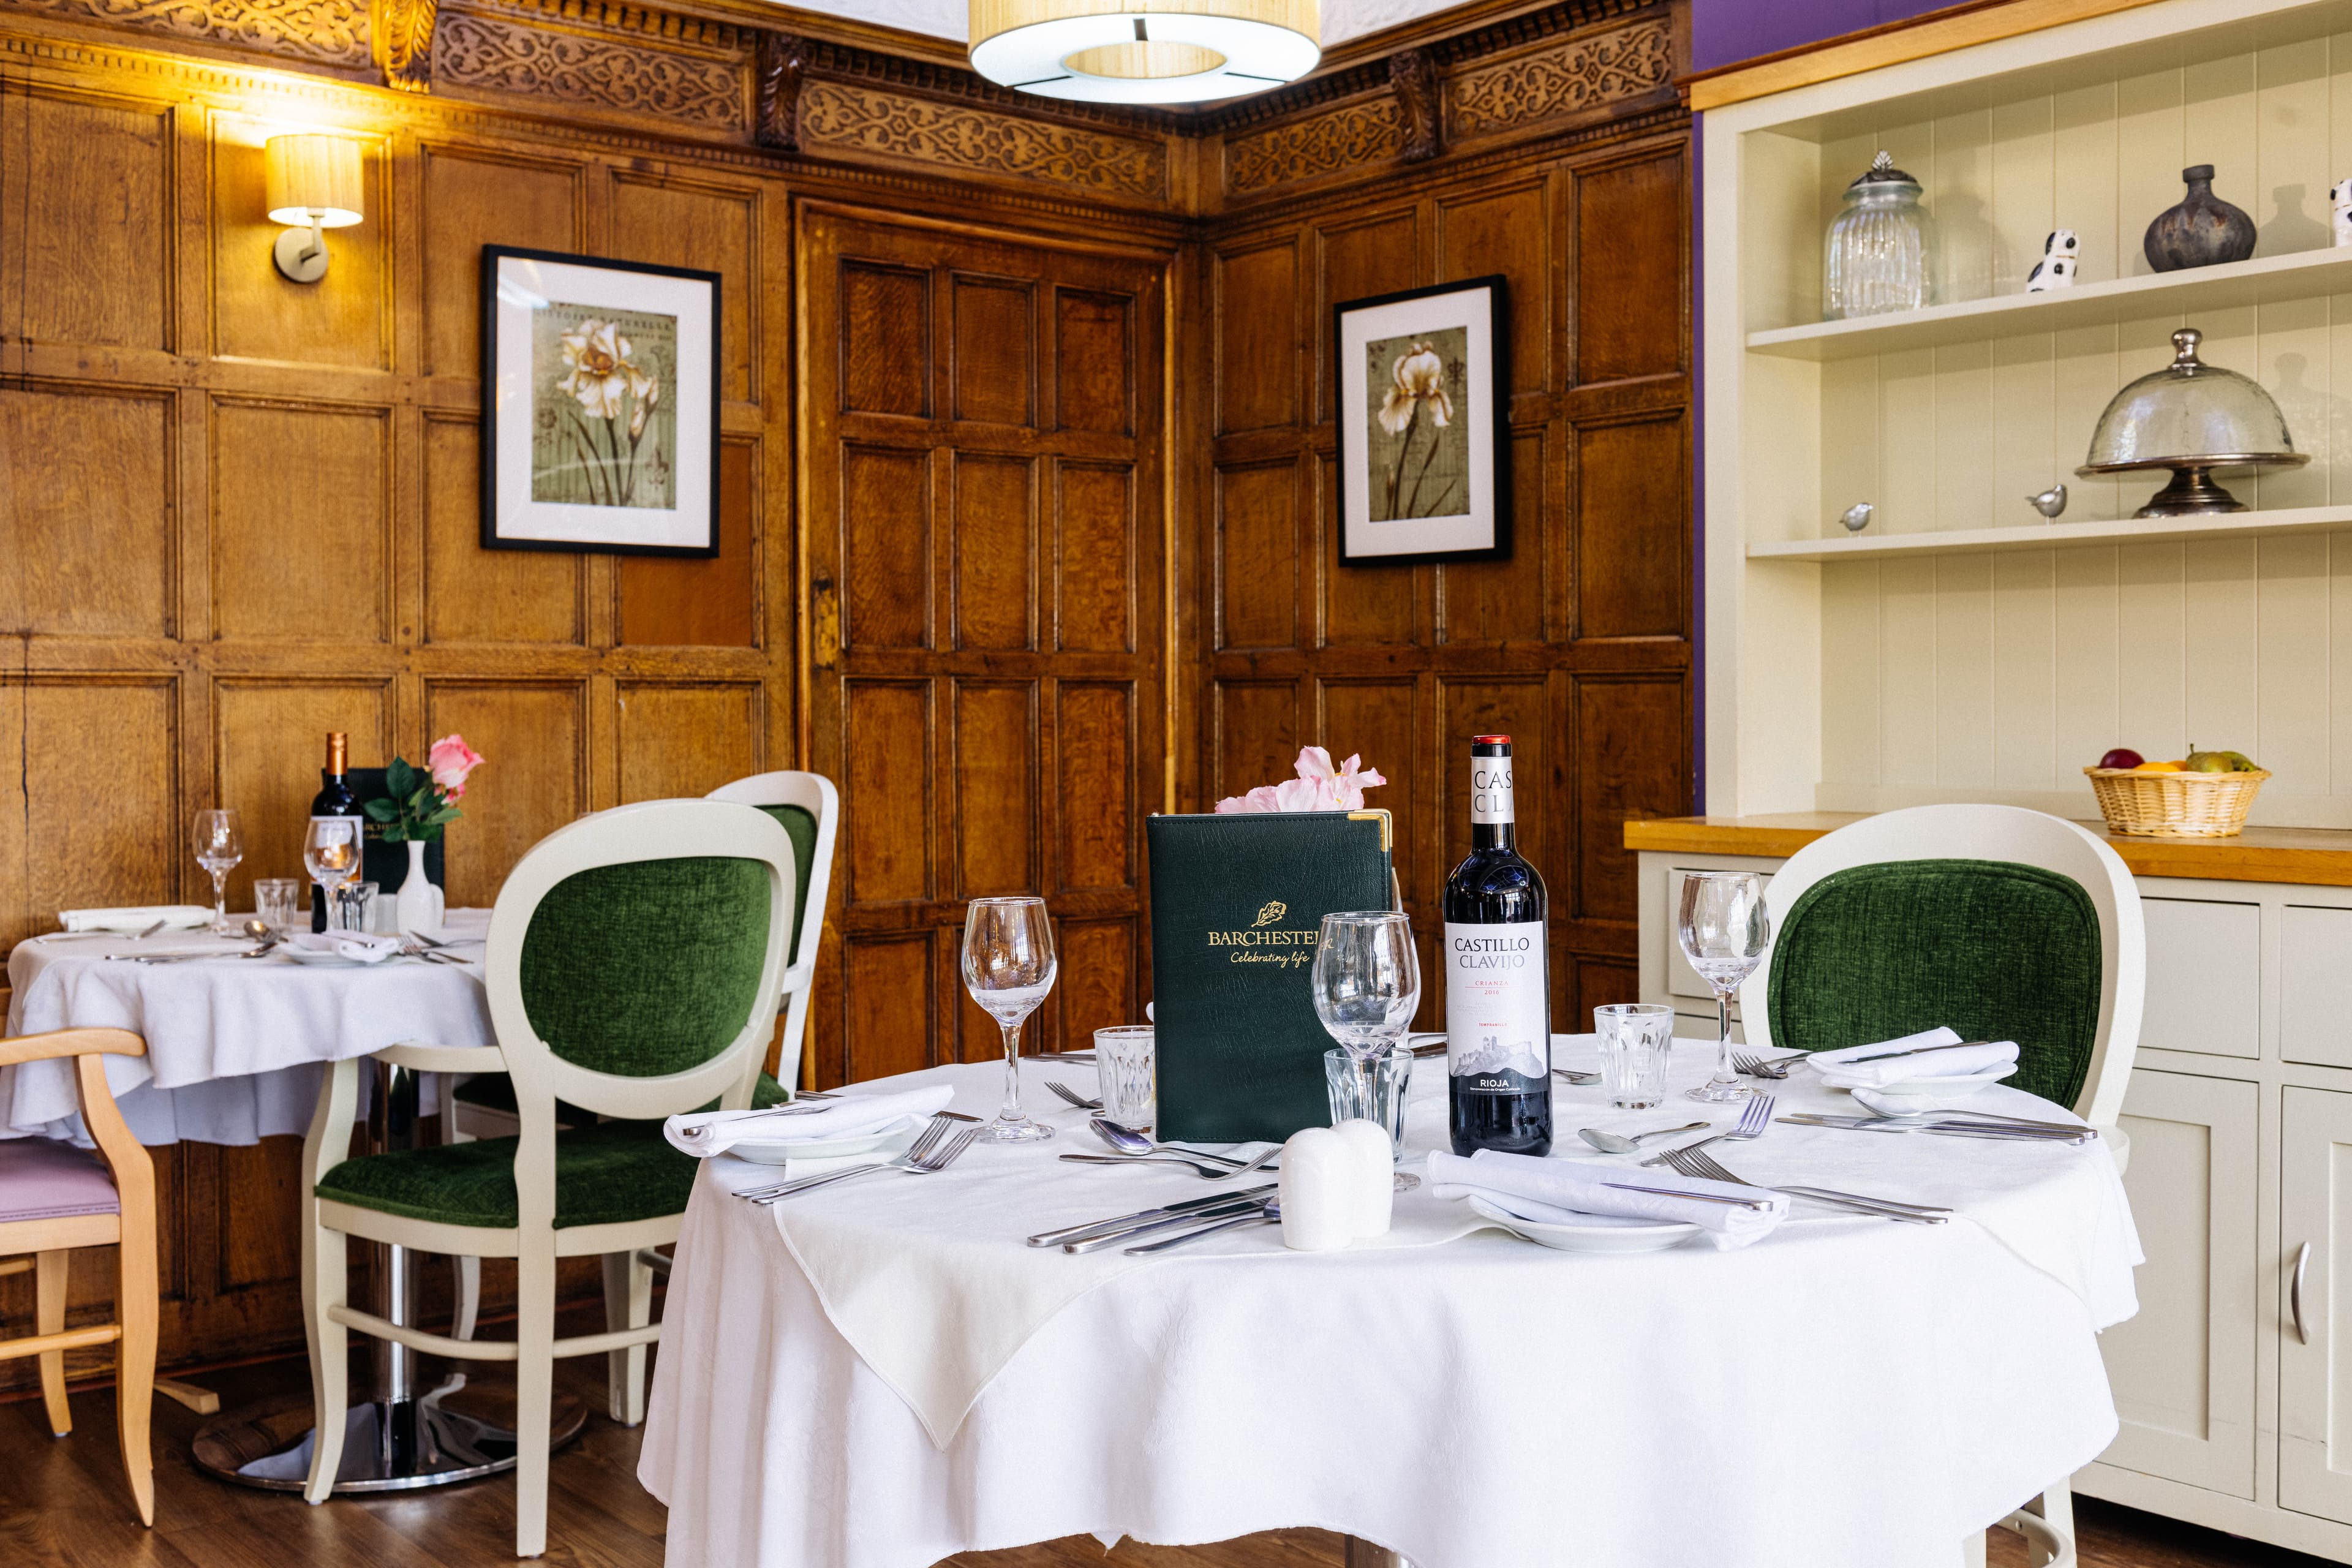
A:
[2315,857]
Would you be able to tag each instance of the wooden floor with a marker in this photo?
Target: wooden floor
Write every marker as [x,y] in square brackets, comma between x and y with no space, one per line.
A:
[63,1505]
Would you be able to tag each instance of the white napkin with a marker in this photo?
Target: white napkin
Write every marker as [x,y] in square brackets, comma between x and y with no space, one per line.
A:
[1838,1070]
[135,917]
[1556,1191]
[356,945]
[703,1133]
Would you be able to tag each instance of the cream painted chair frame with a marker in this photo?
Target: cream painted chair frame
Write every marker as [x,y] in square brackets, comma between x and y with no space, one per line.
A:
[131,1230]
[651,830]
[2030,838]
[814,794]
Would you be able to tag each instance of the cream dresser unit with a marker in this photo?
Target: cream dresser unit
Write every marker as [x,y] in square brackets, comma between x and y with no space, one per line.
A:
[2234,1386]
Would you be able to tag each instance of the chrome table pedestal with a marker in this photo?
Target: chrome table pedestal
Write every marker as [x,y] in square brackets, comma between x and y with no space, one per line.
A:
[398,1439]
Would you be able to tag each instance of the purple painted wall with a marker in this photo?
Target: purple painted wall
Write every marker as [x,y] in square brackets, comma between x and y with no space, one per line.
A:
[1725,32]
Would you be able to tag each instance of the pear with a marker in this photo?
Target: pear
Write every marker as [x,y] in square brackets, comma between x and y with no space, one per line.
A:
[2242,764]
[2209,762]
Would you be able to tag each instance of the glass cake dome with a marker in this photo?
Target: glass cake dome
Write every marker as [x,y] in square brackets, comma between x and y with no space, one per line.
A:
[2191,417]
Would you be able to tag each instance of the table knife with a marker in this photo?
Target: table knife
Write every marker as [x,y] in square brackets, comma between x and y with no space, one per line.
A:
[1143,1216]
[1890,1056]
[1239,1202]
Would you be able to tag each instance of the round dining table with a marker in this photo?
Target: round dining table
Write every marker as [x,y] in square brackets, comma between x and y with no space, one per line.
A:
[881,1372]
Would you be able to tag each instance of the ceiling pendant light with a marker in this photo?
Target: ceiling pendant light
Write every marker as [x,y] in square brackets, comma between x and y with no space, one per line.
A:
[1145,51]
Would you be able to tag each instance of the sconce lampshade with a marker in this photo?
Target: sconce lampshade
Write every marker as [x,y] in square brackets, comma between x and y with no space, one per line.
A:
[311,175]
[1145,51]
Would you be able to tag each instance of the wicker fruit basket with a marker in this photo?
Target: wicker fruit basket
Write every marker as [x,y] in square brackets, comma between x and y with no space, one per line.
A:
[2174,805]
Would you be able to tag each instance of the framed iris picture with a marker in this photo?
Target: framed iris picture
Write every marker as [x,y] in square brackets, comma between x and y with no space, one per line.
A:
[1422,380]
[600,404]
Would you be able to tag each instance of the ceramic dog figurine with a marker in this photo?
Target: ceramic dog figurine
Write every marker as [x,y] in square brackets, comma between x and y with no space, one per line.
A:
[2059,255]
[2339,198]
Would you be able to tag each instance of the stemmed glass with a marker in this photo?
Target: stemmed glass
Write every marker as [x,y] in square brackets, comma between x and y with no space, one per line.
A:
[330,852]
[220,844]
[1367,985]
[1724,928]
[1008,967]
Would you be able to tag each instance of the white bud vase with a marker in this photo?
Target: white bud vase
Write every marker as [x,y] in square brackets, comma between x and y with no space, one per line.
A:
[417,908]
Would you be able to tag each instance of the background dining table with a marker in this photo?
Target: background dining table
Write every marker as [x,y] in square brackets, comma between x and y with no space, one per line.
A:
[235,1047]
[879,1374]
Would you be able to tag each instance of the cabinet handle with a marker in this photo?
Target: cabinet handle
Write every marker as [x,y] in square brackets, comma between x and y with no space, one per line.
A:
[2294,1292]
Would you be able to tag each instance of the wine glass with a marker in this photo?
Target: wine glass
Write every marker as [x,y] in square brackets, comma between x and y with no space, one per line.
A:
[1008,967]
[220,844]
[330,852]
[1367,985]
[1724,928]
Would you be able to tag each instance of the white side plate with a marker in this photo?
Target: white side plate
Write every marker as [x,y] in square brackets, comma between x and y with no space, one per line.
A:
[895,1141]
[1596,1232]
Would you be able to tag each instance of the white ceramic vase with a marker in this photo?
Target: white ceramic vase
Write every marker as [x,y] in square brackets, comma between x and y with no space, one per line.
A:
[417,906]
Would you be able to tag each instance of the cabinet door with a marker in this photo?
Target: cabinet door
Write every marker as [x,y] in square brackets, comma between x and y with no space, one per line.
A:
[2183,1369]
[2204,977]
[2314,1383]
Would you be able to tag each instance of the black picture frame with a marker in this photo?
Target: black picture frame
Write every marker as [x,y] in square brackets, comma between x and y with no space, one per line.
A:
[509,524]
[1487,533]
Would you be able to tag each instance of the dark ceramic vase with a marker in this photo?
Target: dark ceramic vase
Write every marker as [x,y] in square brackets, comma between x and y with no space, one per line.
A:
[2203,231]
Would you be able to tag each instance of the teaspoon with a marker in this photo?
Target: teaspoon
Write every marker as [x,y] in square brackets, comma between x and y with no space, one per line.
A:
[1125,1140]
[1618,1143]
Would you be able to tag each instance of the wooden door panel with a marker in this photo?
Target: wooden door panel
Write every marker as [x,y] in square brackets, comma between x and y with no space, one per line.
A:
[1256,740]
[995,534]
[1632,741]
[995,351]
[1094,553]
[2315,1381]
[1632,534]
[1504,231]
[1094,360]
[1016,487]
[995,743]
[1257,338]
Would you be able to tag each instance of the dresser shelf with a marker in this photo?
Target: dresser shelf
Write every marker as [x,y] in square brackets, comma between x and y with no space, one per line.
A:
[2056,535]
[2265,279]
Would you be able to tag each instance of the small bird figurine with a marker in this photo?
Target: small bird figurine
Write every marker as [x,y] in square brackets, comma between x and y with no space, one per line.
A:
[2339,198]
[2050,502]
[1857,517]
[2060,253]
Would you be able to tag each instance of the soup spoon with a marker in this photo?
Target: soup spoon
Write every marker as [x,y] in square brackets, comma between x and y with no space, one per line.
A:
[1618,1143]
[1125,1140]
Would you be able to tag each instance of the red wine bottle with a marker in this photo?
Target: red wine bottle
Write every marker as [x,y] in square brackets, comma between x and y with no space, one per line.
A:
[334,799]
[1498,1000]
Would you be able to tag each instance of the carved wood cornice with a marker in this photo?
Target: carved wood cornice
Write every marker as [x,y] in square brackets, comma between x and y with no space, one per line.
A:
[487,52]
[1412,74]
[330,33]
[860,117]
[402,42]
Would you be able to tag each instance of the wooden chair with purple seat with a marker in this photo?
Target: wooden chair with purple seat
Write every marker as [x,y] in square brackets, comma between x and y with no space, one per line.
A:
[54,1198]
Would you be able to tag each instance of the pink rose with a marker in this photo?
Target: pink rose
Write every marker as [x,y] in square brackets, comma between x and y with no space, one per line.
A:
[449,761]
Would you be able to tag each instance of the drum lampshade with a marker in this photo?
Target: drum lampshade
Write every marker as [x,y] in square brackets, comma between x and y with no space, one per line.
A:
[1157,51]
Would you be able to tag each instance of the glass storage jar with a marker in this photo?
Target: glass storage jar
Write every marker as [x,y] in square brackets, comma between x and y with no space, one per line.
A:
[1880,255]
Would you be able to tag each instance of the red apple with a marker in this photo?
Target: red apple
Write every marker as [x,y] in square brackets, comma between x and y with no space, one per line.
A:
[2122,757]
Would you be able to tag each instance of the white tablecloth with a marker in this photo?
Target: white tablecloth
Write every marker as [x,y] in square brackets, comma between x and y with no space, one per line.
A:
[235,1048]
[1478,1404]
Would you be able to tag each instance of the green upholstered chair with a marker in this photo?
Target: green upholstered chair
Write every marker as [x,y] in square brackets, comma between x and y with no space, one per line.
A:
[632,967]
[2003,923]
[809,807]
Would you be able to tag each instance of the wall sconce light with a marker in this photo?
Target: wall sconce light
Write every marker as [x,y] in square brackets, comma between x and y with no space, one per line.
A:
[314,185]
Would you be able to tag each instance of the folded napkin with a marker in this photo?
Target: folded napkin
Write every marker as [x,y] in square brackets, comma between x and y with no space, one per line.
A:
[1838,1070]
[135,917]
[703,1133]
[358,946]
[1556,1191]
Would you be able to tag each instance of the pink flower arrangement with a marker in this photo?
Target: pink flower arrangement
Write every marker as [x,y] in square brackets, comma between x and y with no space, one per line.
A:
[1319,786]
[422,803]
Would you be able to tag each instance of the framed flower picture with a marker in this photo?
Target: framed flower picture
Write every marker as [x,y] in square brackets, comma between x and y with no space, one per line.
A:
[600,404]
[1423,381]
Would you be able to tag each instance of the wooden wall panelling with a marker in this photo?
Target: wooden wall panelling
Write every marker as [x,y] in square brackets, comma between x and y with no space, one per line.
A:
[982,485]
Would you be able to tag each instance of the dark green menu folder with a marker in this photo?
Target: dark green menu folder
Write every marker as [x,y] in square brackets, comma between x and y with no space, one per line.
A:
[1237,903]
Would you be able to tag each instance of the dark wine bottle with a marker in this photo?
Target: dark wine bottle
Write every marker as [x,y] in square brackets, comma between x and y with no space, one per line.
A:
[334,799]
[1497,1001]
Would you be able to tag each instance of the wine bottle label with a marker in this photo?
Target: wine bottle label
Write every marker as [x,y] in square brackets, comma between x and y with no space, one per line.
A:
[1490,790]
[1497,1036]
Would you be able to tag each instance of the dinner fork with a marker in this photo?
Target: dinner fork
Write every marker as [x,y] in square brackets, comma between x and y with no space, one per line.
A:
[1073,1096]
[1751,1124]
[1757,1067]
[942,1124]
[925,1164]
[1696,1162]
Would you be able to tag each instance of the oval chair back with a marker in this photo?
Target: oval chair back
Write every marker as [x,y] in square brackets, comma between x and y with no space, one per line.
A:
[632,964]
[809,809]
[2002,922]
